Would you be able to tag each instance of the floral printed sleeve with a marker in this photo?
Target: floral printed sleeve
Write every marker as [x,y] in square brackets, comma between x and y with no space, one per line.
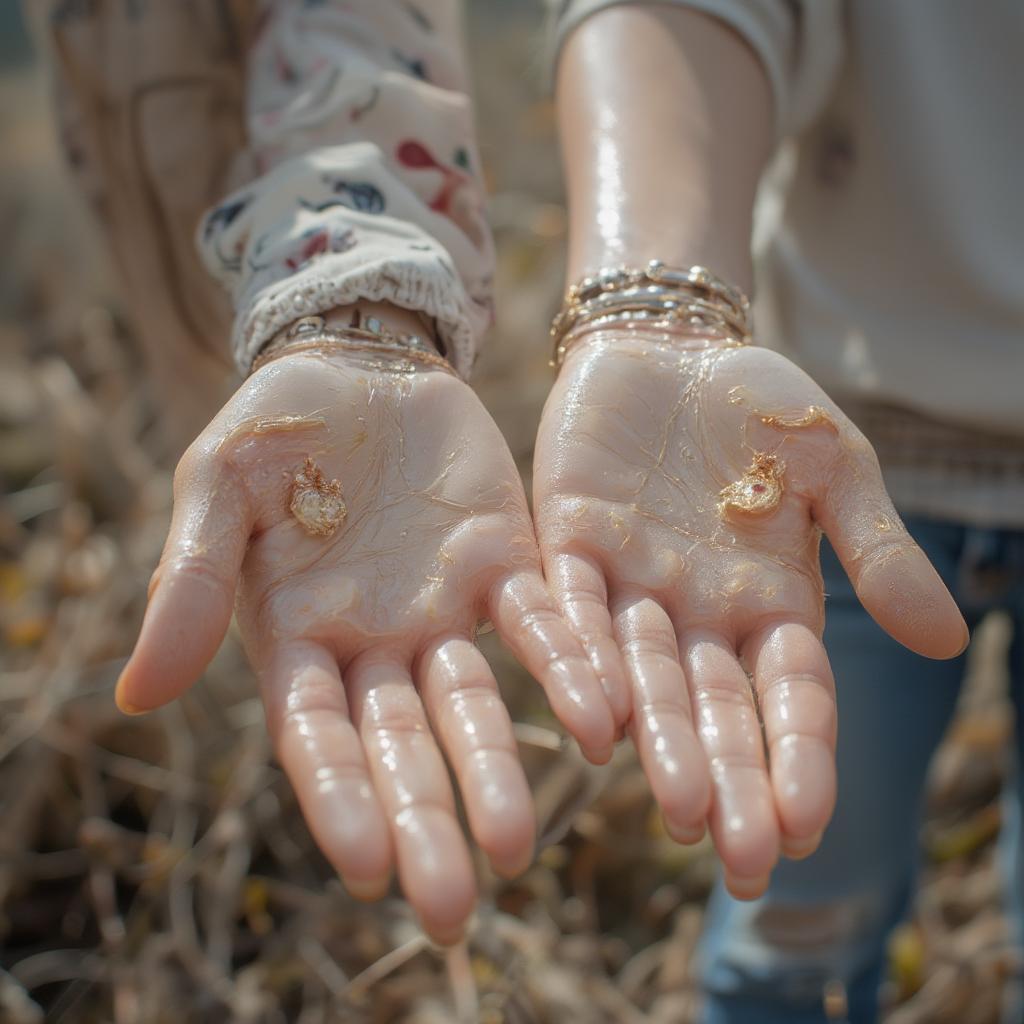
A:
[360,131]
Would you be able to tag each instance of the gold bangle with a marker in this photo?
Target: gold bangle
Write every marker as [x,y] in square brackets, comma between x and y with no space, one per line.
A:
[692,280]
[657,296]
[669,301]
[700,277]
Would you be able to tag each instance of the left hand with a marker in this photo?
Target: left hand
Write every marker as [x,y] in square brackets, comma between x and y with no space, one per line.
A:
[680,496]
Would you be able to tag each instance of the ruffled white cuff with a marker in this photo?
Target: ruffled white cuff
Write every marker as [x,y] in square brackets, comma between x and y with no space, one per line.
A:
[359,118]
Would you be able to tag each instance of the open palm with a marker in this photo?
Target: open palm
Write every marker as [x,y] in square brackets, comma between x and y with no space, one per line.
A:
[680,495]
[370,514]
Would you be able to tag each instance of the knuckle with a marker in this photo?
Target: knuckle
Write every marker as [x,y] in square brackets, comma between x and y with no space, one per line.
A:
[731,761]
[879,553]
[854,452]
[195,567]
[651,643]
[661,708]
[592,637]
[396,721]
[797,739]
[568,664]
[585,598]
[314,698]
[200,452]
[206,459]
[711,692]
[588,613]
[431,804]
[340,769]
[537,617]
[487,751]
[474,692]
[189,465]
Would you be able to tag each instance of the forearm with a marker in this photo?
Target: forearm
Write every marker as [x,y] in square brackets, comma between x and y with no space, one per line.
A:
[666,126]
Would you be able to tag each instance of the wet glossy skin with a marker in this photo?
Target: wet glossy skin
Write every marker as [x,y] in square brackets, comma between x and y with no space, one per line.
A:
[363,638]
[679,498]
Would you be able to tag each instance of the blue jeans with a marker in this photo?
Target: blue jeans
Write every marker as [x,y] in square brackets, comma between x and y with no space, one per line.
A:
[828,917]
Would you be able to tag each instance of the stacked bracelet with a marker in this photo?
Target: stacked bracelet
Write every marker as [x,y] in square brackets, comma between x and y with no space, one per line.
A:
[364,334]
[654,297]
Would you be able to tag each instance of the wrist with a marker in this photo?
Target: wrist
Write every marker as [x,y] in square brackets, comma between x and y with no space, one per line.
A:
[395,320]
[659,346]
[370,334]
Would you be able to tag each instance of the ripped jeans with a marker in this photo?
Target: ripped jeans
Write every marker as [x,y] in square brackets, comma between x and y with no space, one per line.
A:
[829,916]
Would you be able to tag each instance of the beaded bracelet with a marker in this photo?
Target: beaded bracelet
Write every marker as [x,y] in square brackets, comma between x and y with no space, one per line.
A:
[369,334]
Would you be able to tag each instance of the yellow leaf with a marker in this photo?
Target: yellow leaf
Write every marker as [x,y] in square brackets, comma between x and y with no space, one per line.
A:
[27,631]
[255,900]
[12,582]
[907,958]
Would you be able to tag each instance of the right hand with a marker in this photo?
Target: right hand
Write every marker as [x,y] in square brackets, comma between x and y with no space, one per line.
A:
[363,640]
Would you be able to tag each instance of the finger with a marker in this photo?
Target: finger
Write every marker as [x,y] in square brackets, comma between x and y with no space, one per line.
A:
[413,785]
[192,591]
[470,718]
[662,727]
[743,821]
[797,696]
[579,588]
[322,754]
[892,576]
[524,616]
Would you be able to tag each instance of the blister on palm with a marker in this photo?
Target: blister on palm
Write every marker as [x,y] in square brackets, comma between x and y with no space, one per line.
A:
[369,514]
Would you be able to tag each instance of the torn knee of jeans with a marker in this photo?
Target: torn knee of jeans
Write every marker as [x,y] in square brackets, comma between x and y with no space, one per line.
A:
[809,928]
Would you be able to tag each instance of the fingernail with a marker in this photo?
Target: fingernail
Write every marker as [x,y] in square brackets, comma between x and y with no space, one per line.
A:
[513,868]
[967,640]
[126,707]
[131,709]
[687,835]
[798,849]
[747,888]
[367,891]
[600,756]
[446,937]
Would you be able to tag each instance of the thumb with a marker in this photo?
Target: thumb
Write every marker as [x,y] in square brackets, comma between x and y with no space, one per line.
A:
[893,577]
[191,595]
